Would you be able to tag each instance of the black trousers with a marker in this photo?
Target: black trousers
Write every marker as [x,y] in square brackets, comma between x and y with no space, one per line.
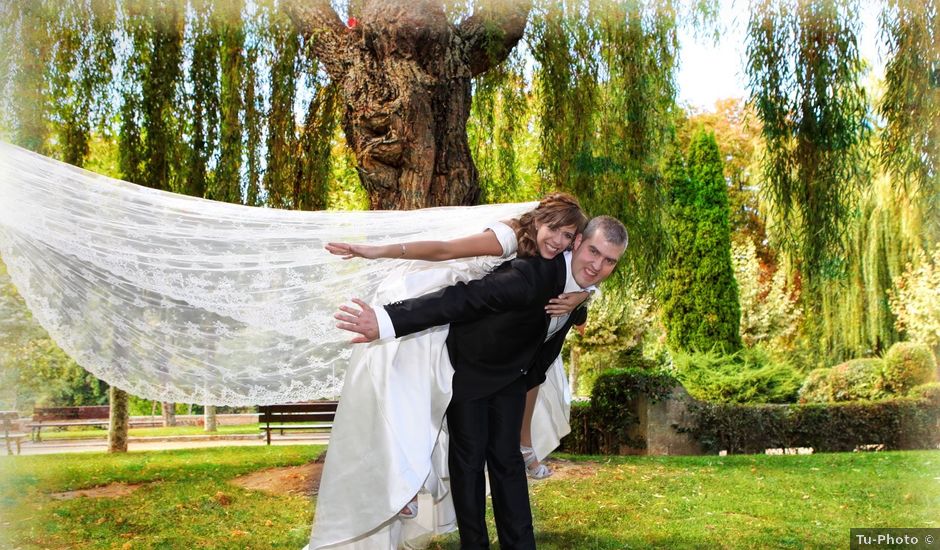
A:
[486,431]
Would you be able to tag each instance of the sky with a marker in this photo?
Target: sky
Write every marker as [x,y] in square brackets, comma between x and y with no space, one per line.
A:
[709,72]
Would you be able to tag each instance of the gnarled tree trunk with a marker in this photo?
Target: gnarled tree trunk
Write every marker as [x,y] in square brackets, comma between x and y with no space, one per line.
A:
[404,71]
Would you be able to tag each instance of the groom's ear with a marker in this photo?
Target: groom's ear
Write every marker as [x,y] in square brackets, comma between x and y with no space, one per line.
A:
[577,241]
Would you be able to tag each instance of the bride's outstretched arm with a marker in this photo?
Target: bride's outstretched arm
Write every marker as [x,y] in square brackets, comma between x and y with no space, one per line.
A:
[479,244]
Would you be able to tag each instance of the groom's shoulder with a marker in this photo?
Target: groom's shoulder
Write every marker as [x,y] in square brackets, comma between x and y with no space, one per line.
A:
[534,266]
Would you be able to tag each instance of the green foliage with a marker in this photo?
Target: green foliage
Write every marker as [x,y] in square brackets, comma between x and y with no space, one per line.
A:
[605,86]
[803,65]
[500,116]
[856,379]
[204,101]
[737,129]
[150,153]
[902,423]
[46,377]
[929,391]
[613,403]
[749,375]
[33,370]
[906,365]
[815,388]
[699,294]
[770,310]
[910,105]
[914,299]
[852,314]
[345,192]
[232,60]
[618,323]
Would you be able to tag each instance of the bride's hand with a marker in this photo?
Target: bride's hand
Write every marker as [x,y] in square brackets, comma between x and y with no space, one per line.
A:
[349,251]
[566,303]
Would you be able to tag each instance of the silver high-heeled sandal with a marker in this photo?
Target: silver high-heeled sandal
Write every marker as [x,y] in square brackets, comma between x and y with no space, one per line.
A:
[535,472]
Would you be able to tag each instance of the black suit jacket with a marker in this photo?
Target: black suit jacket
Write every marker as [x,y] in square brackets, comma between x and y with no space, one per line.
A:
[497,324]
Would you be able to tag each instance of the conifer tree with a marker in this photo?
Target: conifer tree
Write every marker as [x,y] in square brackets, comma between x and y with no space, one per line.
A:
[699,293]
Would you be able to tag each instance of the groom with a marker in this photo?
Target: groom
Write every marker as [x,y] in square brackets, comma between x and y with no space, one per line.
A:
[499,337]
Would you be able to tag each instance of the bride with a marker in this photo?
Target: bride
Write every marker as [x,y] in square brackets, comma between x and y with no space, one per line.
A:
[388,440]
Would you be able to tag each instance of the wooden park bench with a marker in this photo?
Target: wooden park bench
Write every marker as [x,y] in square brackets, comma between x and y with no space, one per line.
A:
[311,415]
[64,417]
[9,436]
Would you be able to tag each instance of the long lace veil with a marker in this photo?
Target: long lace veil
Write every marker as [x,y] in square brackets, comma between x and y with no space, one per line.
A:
[188,300]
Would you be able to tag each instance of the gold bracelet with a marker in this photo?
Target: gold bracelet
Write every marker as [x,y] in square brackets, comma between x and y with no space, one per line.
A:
[402,249]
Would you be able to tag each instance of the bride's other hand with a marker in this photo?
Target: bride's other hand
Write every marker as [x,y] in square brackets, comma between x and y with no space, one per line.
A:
[349,251]
[566,303]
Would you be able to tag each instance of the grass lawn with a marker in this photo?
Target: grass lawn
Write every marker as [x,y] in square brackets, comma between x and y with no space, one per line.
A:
[186,501]
[751,501]
[49,434]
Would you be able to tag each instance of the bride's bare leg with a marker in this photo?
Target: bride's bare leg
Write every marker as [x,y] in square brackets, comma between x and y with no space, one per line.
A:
[525,436]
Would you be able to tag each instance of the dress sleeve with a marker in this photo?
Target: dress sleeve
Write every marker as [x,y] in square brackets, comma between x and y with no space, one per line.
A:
[506,237]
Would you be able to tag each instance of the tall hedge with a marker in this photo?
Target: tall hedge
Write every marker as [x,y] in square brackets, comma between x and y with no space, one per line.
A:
[699,293]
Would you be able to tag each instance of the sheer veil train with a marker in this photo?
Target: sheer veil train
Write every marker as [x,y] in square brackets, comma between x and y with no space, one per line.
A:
[181,299]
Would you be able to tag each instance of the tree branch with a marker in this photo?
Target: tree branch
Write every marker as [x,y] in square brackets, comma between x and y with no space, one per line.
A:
[493,31]
[317,20]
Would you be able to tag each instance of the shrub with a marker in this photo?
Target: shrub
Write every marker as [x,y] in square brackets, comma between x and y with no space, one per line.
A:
[747,376]
[815,388]
[615,392]
[902,423]
[618,322]
[907,364]
[856,379]
[929,391]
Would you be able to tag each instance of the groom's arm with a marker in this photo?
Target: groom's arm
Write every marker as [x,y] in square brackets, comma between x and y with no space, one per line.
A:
[510,287]
[503,290]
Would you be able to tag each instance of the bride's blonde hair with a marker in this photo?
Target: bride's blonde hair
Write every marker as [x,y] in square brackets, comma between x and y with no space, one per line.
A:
[555,210]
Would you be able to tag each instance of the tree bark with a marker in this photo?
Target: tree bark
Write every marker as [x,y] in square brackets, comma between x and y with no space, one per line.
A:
[169,414]
[209,419]
[404,71]
[119,421]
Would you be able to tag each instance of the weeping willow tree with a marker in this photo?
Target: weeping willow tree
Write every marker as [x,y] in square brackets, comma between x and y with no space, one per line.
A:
[910,106]
[803,65]
[499,136]
[855,317]
[603,95]
[899,216]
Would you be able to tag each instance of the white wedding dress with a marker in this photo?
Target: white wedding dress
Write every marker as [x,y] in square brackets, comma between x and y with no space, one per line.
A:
[388,442]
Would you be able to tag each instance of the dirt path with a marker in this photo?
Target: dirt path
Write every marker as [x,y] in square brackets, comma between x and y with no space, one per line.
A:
[292,480]
[114,490]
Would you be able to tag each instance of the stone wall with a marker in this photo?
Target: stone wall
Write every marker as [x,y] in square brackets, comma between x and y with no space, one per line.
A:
[657,426]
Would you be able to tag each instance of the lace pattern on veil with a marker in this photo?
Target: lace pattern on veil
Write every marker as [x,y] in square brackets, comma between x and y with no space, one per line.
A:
[188,300]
